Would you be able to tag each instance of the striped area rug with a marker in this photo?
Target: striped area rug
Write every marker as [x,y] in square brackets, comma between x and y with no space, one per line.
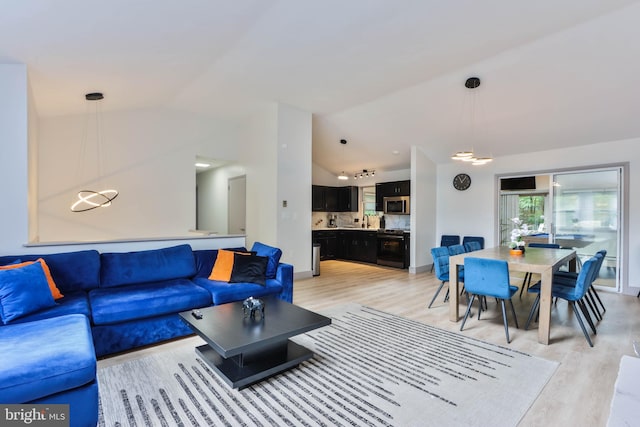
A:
[370,369]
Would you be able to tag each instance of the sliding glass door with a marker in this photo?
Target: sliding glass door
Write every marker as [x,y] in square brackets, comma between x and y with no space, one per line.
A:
[587,217]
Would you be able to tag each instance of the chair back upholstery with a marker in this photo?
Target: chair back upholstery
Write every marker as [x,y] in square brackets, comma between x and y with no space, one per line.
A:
[596,273]
[456,250]
[472,246]
[449,240]
[488,277]
[585,277]
[544,245]
[478,239]
[441,262]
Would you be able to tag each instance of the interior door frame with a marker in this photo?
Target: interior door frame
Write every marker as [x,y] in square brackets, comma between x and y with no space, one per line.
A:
[623,245]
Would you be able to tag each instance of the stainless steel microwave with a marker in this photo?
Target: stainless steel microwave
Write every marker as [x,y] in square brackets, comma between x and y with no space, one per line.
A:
[396,205]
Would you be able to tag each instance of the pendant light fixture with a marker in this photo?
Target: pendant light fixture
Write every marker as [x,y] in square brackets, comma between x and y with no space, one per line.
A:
[343,176]
[469,156]
[91,199]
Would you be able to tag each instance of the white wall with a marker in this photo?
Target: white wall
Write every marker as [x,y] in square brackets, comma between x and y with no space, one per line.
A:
[294,187]
[259,141]
[473,212]
[14,214]
[213,197]
[147,155]
[423,209]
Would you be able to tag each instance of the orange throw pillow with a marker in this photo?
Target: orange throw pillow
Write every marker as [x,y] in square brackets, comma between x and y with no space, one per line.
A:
[224,265]
[55,292]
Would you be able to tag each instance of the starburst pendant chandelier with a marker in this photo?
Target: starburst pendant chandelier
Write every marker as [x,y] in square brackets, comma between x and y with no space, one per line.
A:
[87,200]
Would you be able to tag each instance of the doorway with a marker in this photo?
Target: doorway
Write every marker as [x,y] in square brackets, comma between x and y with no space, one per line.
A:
[577,209]
[237,204]
[587,217]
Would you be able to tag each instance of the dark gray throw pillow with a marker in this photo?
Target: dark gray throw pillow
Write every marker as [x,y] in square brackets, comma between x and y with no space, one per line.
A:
[249,269]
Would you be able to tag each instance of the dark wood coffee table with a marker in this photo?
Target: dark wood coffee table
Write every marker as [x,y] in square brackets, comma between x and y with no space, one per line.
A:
[245,350]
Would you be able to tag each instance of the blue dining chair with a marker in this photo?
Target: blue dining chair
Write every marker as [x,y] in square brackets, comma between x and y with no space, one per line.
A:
[441,264]
[526,282]
[447,240]
[569,278]
[456,250]
[467,239]
[472,246]
[573,294]
[489,278]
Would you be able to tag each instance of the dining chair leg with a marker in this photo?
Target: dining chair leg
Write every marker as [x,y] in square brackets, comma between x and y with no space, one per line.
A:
[482,300]
[436,294]
[591,303]
[466,313]
[513,311]
[534,308]
[586,315]
[504,319]
[584,330]
[525,282]
[592,289]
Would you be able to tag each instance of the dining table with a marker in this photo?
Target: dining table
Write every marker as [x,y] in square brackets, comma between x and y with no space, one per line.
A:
[543,261]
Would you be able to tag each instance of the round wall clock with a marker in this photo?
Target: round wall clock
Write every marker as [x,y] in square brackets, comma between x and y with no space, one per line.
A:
[462,181]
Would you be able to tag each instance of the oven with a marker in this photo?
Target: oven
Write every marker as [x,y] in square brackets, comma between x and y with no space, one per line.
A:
[392,248]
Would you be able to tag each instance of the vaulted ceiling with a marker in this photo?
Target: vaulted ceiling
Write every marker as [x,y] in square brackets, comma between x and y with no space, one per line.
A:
[384,75]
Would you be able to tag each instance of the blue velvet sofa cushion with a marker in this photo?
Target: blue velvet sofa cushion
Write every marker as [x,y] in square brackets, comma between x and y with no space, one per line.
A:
[122,303]
[23,291]
[47,357]
[72,303]
[82,401]
[156,265]
[72,271]
[270,252]
[223,292]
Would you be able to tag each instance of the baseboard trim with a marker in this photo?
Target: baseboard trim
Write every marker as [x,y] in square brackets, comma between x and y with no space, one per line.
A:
[302,275]
[419,269]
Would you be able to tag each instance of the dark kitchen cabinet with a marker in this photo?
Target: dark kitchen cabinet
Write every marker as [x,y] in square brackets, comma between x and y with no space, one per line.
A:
[369,248]
[328,243]
[391,189]
[334,199]
[324,199]
[357,246]
[348,199]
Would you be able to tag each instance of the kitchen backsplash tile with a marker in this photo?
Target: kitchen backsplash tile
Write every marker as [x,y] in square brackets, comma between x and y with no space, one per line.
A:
[347,219]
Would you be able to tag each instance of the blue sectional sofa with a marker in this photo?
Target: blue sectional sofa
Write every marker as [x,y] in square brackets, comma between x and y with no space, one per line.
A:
[112,302]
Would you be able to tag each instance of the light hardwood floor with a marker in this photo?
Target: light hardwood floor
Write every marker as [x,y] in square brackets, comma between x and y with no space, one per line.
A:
[579,393]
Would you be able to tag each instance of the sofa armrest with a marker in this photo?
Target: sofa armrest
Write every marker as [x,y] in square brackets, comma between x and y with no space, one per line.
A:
[284,274]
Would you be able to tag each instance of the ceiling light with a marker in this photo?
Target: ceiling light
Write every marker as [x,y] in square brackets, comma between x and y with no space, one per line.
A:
[203,165]
[90,199]
[461,155]
[342,176]
[469,156]
[482,161]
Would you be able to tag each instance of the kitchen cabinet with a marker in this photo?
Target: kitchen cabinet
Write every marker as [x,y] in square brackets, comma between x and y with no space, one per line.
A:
[357,246]
[324,199]
[328,243]
[391,189]
[334,199]
[348,199]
